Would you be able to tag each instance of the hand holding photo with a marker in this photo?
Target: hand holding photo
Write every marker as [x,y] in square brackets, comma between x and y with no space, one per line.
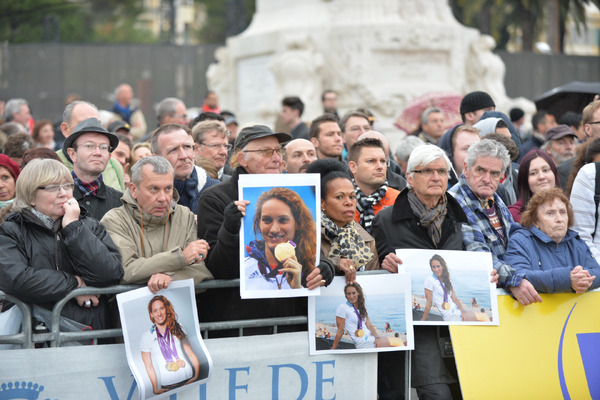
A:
[165,350]
[450,287]
[278,240]
[369,315]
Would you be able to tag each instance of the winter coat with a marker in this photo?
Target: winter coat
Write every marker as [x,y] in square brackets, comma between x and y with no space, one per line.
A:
[397,227]
[223,261]
[546,264]
[106,199]
[144,250]
[38,265]
[373,264]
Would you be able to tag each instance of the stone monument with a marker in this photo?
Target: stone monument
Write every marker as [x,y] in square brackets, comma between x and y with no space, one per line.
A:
[377,54]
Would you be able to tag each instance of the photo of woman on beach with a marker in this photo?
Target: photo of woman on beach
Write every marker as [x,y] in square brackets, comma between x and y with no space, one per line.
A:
[352,317]
[450,287]
[369,315]
[438,290]
[279,243]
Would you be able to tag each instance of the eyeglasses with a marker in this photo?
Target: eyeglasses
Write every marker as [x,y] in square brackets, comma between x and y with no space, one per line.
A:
[93,146]
[593,123]
[55,188]
[267,152]
[217,146]
[430,171]
[480,171]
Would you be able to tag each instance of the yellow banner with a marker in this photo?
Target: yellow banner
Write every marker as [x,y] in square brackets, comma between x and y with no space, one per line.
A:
[548,350]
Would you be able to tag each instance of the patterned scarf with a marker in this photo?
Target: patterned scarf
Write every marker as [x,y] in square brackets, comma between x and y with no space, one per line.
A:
[431,219]
[364,204]
[87,189]
[346,242]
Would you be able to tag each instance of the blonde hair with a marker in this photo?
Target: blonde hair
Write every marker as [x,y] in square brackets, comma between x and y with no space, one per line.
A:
[38,172]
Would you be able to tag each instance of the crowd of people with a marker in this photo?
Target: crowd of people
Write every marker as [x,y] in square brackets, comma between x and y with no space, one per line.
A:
[107,201]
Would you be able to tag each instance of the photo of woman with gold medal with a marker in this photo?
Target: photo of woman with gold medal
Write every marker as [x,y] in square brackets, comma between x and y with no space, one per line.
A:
[286,255]
[352,317]
[439,290]
[166,351]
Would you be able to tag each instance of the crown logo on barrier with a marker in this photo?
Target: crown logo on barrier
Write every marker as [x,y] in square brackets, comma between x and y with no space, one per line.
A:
[20,390]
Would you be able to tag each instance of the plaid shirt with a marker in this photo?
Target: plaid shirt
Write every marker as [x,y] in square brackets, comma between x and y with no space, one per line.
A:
[483,236]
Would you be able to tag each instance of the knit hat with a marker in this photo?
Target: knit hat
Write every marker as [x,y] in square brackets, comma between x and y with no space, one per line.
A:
[516,114]
[475,101]
[12,166]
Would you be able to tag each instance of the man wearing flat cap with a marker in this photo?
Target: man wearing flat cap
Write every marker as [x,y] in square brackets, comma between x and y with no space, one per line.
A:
[560,143]
[257,150]
[89,147]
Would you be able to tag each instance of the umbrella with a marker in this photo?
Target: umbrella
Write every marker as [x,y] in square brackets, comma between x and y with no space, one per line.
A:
[573,96]
[449,103]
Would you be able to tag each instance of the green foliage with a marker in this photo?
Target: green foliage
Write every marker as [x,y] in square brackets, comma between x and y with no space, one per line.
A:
[218,24]
[527,18]
[23,21]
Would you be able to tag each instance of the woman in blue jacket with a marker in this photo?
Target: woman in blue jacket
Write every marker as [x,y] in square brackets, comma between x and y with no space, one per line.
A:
[546,252]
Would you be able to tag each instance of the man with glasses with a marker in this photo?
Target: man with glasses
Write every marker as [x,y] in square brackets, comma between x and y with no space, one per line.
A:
[174,142]
[583,192]
[368,165]
[484,166]
[74,113]
[89,146]
[422,217]
[257,150]
[212,144]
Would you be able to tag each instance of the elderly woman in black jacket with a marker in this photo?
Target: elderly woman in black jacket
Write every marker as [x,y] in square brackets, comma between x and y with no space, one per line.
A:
[49,246]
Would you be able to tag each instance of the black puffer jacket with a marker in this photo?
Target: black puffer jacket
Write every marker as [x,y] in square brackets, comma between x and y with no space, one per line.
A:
[223,260]
[38,265]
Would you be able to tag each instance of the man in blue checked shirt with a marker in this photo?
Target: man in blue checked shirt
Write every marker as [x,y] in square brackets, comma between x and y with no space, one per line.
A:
[489,217]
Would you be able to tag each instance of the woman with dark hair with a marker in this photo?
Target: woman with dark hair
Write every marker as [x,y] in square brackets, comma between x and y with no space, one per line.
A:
[343,240]
[164,348]
[537,172]
[546,252]
[439,290]
[352,317]
[587,152]
[286,254]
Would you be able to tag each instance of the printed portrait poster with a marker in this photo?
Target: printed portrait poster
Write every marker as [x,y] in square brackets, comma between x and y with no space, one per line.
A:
[165,350]
[371,315]
[450,287]
[280,234]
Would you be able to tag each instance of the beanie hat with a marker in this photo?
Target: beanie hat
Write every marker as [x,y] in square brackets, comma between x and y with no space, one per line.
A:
[516,114]
[10,165]
[475,101]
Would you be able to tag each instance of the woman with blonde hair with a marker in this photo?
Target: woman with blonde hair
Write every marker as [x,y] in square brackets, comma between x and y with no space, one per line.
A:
[49,246]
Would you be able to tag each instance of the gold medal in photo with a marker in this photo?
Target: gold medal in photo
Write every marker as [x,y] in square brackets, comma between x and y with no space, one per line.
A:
[446,305]
[359,333]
